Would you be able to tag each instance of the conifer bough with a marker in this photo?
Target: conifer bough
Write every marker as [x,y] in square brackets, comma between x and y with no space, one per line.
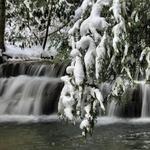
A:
[100,46]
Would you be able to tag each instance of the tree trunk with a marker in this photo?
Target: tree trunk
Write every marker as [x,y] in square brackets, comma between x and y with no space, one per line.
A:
[2,24]
[48,23]
[47,30]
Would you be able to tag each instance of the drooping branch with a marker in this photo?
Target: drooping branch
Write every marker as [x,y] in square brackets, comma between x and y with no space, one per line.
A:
[98,46]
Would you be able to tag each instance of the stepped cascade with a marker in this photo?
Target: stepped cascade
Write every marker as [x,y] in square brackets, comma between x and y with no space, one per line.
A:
[30,88]
[146,100]
[33,88]
[32,69]
[136,103]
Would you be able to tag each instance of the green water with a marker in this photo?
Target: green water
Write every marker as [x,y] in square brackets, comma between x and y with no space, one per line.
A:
[60,136]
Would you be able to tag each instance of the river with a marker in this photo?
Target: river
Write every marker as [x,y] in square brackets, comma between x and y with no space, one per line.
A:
[50,133]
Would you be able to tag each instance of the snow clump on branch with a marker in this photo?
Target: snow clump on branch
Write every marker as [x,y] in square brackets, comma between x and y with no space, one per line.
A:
[96,40]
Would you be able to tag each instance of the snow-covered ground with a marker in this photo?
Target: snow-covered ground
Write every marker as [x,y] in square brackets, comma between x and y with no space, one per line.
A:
[35,52]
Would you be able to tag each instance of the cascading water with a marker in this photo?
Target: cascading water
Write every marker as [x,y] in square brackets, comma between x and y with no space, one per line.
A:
[30,88]
[32,69]
[137,103]
[33,88]
[146,100]
[26,95]
[112,108]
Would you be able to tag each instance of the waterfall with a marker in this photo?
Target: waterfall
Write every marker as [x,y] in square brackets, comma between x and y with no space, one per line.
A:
[129,105]
[146,100]
[32,68]
[30,88]
[26,95]
[112,108]
[33,88]
[137,103]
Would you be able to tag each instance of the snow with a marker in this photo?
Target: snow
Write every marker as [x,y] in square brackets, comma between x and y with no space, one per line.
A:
[68,113]
[74,53]
[116,8]
[70,70]
[81,10]
[100,55]
[68,101]
[87,109]
[78,71]
[146,51]
[92,43]
[125,52]
[35,52]
[27,3]
[87,43]
[15,51]
[76,27]
[127,71]
[93,24]
[84,124]
[118,31]
[120,86]
[99,97]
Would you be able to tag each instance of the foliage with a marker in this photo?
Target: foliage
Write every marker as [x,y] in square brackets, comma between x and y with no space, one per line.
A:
[37,23]
[109,41]
[106,46]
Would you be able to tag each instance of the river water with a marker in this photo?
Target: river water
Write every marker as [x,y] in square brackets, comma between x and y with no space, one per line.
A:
[29,93]
[43,133]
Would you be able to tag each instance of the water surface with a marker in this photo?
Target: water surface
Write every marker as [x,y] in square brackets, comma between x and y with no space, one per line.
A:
[43,134]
